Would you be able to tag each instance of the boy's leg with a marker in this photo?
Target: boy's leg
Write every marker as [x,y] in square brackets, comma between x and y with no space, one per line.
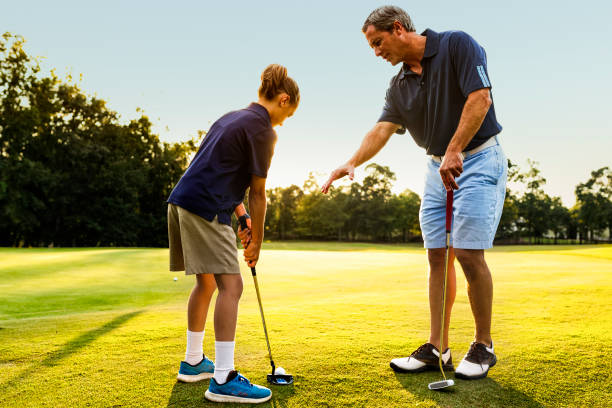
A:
[197,311]
[227,385]
[226,315]
[199,301]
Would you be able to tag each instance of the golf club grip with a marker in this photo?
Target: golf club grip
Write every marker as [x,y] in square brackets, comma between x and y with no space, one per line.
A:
[449,209]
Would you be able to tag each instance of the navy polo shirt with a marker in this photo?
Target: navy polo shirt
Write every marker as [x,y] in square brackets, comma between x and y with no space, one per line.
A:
[239,144]
[430,105]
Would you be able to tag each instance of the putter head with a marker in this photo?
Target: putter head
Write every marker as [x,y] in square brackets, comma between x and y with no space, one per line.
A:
[440,385]
[280,379]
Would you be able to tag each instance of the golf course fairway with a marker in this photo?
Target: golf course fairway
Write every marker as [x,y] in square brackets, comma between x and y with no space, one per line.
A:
[106,327]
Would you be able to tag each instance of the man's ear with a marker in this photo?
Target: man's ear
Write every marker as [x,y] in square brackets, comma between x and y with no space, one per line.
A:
[397,27]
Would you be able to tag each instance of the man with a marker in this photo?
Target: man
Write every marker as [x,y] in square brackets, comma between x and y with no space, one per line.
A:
[441,95]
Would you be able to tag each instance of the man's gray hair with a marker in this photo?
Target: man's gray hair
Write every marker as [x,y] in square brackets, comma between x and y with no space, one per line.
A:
[383,18]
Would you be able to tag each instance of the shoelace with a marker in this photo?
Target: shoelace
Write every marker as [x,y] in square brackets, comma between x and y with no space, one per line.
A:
[478,352]
[422,348]
[241,378]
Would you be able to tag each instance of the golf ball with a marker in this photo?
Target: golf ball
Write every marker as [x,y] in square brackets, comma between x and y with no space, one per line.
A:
[175,278]
[279,370]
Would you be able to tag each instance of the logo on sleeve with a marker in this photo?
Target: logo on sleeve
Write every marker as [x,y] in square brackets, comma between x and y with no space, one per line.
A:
[483,76]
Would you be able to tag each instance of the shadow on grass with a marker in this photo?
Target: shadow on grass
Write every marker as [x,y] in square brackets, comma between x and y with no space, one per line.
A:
[192,395]
[466,393]
[84,339]
[72,347]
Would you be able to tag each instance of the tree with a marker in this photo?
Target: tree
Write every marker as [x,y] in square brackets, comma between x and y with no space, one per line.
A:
[320,216]
[281,212]
[508,221]
[405,209]
[594,202]
[71,173]
[533,206]
[378,221]
[559,217]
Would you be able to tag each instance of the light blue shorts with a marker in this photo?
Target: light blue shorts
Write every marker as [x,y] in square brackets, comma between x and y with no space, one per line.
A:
[477,205]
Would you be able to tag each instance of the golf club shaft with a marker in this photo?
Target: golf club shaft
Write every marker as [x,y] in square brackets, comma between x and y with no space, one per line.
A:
[449,215]
[243,225]
[263,319]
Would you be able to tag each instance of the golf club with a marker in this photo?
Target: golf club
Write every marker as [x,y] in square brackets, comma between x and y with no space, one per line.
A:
[277,379]
[439,385]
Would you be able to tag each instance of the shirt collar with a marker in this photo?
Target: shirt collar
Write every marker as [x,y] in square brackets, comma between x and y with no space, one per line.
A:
[432,44]
[259,110]
[431,48]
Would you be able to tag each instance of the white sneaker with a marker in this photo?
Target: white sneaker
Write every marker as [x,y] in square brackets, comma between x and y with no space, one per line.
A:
[426,357]
[477,362]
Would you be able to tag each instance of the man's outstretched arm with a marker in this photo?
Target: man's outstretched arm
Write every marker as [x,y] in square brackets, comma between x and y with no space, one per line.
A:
[373,141]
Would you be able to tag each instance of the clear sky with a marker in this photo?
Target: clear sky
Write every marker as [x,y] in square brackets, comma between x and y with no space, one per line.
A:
[186,63]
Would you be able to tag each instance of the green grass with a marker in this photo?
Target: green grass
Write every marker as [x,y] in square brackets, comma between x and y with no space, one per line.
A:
[106,327]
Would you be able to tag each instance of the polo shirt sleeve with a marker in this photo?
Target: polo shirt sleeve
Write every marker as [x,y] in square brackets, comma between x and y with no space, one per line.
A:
[390,112]
[470,63]
[261,146]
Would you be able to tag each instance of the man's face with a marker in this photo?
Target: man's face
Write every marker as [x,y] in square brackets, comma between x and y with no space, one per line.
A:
[386,44]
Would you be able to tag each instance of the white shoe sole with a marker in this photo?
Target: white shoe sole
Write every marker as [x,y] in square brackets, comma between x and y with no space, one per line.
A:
[230,398]
[194,378]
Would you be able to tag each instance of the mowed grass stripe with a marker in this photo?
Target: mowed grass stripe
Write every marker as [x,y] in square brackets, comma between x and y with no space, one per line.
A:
[105,327]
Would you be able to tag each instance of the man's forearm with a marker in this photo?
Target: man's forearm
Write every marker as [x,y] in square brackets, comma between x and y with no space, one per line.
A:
[474,111]
[257,206]
[373,141]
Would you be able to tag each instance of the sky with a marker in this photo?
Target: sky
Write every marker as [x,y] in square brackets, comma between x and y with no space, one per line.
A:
[186,63]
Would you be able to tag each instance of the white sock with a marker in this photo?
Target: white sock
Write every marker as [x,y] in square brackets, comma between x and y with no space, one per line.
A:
[193,355]
[224,360]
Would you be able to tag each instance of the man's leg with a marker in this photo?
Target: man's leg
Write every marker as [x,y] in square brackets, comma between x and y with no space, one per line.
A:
[432,218]
[436,278]
[425,357]
[480,291]
[481,355]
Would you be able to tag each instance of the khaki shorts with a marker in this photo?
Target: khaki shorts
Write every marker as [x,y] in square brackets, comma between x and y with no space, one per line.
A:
[200,246]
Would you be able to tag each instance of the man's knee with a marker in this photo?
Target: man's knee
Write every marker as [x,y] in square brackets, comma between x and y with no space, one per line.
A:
[472,262]
[436,257]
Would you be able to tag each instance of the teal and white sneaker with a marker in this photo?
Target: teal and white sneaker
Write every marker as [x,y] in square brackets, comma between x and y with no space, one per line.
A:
[193,373]
[237,389]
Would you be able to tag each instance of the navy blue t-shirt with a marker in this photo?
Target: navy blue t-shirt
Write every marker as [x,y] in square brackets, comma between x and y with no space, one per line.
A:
[239,144]
[430,105]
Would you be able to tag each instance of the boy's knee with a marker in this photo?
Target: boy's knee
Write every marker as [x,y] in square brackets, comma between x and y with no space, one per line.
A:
[230,285]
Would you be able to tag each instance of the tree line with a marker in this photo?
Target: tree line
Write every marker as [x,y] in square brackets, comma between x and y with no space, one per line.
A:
[369,211]
[72,173]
